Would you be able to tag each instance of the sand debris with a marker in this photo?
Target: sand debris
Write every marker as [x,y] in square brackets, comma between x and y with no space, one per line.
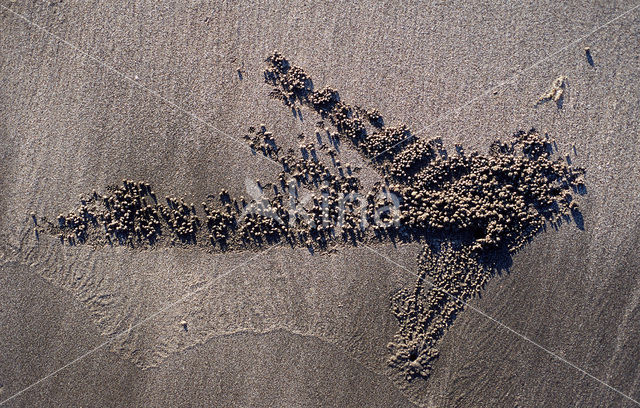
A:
[556,93]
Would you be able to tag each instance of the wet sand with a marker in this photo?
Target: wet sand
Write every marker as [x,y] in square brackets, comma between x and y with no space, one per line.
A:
[277,335]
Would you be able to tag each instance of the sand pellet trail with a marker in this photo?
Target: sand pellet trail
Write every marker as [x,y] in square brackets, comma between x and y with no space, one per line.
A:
[468,211]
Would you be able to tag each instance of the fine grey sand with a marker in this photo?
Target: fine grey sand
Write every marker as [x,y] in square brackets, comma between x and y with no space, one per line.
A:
[288,328]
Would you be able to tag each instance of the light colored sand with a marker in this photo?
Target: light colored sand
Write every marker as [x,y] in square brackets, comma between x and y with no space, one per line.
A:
[68,125]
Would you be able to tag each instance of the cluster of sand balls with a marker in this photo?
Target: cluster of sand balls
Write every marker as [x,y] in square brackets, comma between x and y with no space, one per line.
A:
[131,214]
[490,200]
[497,200]
[119,216]
[294,86]
[291,84]
[465,207]
[449,275]
[221,222]
[127,214]
[316,223]
[262,141]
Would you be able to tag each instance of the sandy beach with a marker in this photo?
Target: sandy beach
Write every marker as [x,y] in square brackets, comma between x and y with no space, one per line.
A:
[91,94]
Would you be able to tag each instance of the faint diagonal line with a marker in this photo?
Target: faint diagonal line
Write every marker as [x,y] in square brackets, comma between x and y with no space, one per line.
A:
[512,78]
[140,323]
[499,323]
[135,82]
